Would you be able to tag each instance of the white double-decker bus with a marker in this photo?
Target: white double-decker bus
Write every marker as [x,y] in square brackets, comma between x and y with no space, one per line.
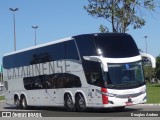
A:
[90,70]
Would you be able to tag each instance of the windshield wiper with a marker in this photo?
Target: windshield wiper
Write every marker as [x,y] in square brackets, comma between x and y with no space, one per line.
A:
[128,84]
[109,86]
[140,82]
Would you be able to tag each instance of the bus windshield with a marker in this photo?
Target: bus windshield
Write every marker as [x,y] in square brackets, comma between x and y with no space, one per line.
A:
[116,46]
[123,75]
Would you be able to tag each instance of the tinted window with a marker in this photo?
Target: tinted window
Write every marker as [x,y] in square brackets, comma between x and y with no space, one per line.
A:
[116,46]
[47,53]
[58,51]
[71,51]
[63,50]
[58,80]
[93,72]
[86,45]
[125,75]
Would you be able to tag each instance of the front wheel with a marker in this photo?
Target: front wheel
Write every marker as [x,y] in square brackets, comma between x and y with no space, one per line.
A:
[80,103]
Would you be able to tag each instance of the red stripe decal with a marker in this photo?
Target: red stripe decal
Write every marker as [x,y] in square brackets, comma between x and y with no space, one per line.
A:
[104,97]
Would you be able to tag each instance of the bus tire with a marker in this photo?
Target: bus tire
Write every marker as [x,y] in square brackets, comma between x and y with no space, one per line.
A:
[80,103]
[68,103]
[24,103]
[17,103]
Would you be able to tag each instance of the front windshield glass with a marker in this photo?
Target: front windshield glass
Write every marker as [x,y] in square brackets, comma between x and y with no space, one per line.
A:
[124,75]
[116,46]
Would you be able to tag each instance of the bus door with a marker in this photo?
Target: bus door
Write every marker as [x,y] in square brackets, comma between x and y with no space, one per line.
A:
[93,72]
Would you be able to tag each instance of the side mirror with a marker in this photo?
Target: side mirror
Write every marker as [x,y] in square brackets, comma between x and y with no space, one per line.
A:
[150,58]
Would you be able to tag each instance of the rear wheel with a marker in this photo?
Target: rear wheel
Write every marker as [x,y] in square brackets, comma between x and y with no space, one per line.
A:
[17,103]
[80,103]
[68,103]
[24,103]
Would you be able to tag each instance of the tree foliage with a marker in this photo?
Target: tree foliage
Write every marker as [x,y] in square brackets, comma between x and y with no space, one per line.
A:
[103,29]
[149,73]
[158,67]
[121,13]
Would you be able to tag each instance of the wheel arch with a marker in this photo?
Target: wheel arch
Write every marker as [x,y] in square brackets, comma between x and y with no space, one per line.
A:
[70,93]
[83,94]
[16,96]
[24,95]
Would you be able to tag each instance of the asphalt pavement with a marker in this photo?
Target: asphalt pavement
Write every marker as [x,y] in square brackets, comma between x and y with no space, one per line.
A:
[129,113]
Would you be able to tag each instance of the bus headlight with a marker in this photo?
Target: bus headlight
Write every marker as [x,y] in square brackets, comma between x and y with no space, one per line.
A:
[143,90]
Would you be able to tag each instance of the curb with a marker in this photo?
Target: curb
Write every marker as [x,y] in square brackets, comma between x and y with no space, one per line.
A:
[156,104]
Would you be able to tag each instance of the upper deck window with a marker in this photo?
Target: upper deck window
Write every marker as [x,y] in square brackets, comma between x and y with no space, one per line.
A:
[53,52]
[86,45]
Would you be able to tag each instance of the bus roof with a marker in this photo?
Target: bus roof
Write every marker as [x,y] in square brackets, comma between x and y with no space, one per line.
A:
[39,46]
[62,40]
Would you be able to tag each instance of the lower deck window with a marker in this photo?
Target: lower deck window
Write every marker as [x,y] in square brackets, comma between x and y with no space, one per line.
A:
[58,80]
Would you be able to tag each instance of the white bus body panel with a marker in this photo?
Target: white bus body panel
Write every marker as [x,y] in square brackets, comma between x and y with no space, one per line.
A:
[55,97]
[94,95]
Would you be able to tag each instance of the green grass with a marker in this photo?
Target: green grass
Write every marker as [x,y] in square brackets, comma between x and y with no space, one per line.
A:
[153,93]
[1,97]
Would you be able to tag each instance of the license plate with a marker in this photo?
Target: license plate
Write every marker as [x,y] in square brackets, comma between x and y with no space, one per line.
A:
[129,103]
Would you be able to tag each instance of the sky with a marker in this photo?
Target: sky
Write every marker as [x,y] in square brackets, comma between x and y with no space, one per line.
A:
[58,19]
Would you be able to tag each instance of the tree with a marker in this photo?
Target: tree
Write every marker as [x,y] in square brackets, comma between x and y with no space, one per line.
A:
[158,67]
[121,13]
[103,29]
[149,73]
[153,73]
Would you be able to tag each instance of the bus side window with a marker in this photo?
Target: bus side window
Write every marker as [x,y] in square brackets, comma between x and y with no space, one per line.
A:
[71,50]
